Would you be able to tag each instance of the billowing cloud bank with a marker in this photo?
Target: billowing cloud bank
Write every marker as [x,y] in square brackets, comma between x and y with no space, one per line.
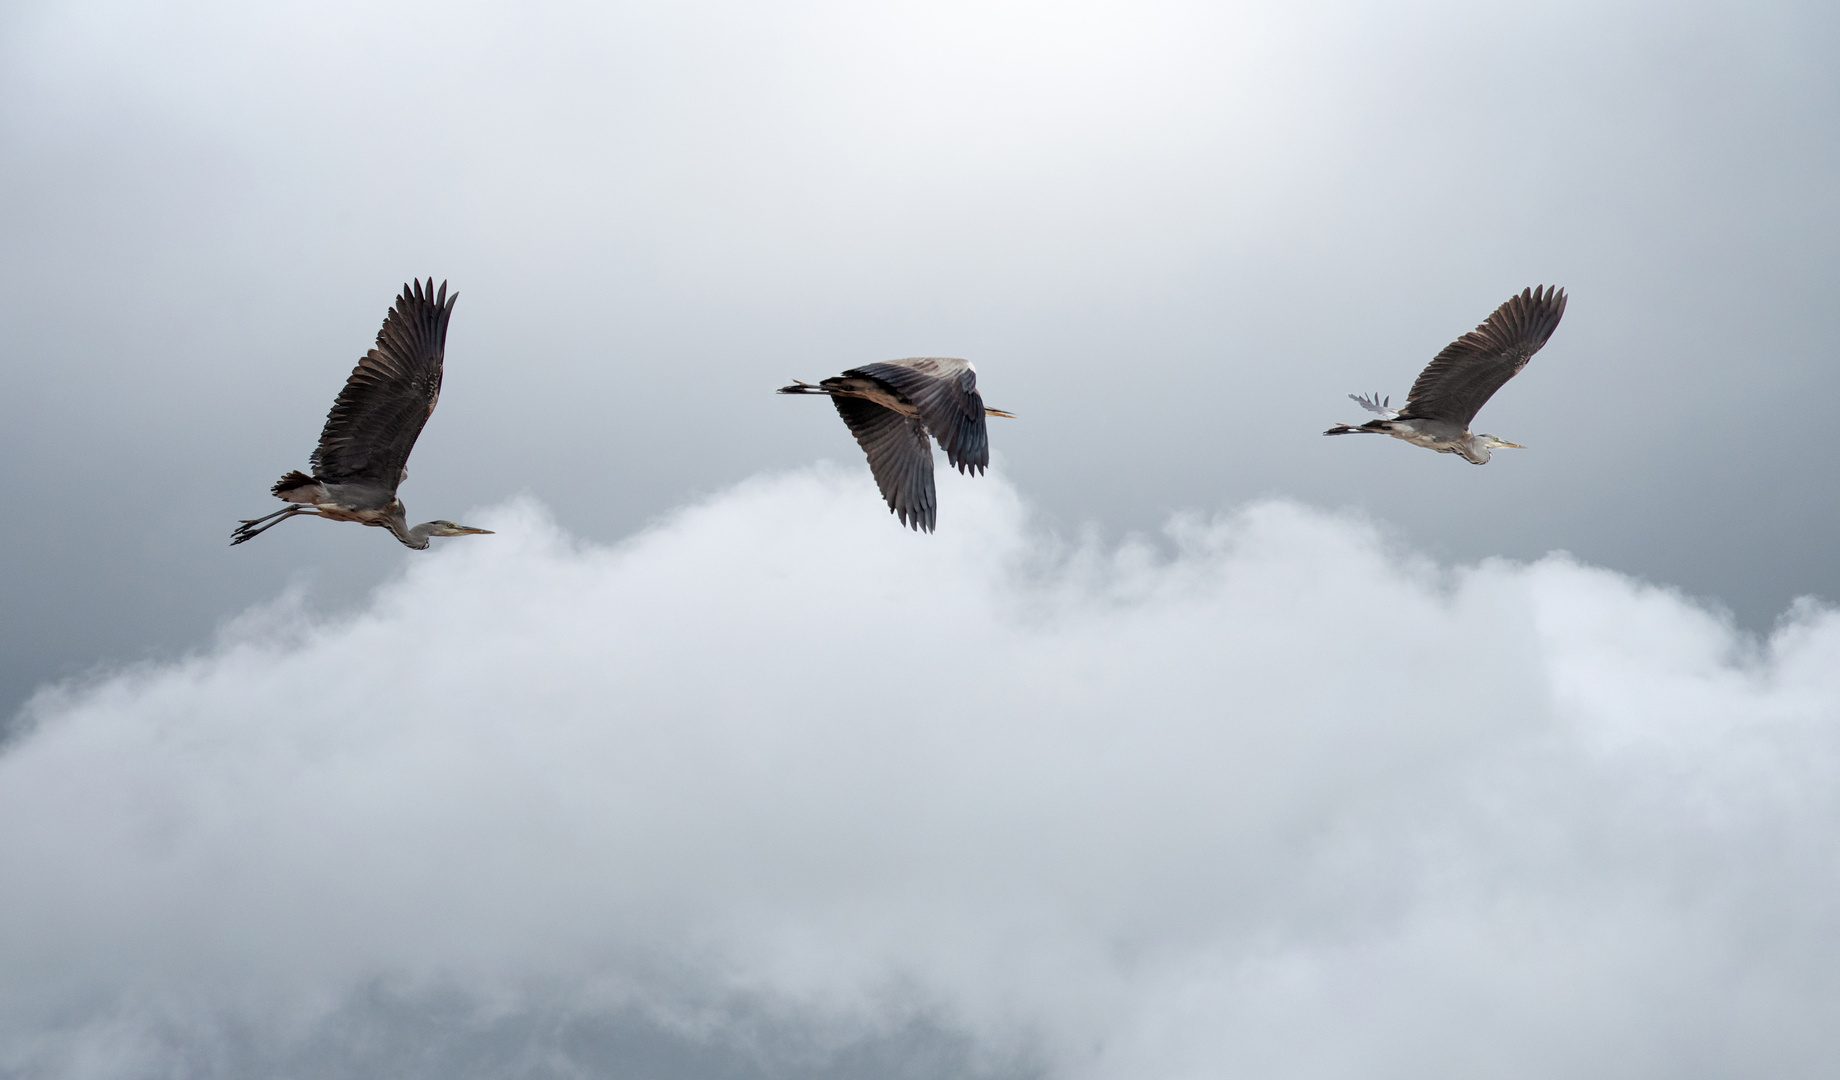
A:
[1272,800]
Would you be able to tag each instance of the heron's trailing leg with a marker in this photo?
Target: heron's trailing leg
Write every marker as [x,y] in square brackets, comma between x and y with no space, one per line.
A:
[265,517]
[245,532]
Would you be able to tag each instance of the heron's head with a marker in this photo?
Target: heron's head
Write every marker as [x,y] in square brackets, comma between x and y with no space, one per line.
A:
[999,412]
[448,528]
[1496,442]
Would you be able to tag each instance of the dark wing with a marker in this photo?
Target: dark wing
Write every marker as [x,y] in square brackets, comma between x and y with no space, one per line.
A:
[944,391]
[1470,369]
[390,395]
[899,455]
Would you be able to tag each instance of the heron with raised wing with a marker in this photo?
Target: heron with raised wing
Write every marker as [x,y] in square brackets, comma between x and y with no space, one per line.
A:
[372,428]
[1464,376]
[893,407]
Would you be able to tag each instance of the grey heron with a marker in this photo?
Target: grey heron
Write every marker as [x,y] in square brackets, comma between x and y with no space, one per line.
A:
[892,407]
[1465,375]
[373,426]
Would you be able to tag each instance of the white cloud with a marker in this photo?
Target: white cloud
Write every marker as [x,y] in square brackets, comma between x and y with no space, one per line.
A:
[1271,798]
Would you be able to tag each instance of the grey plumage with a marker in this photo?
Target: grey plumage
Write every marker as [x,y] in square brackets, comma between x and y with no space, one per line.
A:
[364,448]
[900,458]
[893,407]
[1462,378]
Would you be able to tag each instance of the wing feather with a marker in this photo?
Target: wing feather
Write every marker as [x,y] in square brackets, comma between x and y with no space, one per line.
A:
[944,392]
[1462,378]
[391,393]
[900,457]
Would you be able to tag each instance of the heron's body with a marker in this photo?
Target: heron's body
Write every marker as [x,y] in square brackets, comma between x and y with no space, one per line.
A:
[373,427]
[892,408]
[341,502]
[1462,378]
[1440,435]
[864,389]
[362,503]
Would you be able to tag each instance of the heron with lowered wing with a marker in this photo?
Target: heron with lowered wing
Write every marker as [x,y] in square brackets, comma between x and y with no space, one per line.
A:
[893,407]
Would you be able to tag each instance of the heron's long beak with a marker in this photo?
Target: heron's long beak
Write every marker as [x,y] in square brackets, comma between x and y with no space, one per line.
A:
[468,530]
[1516,445]
[999,412]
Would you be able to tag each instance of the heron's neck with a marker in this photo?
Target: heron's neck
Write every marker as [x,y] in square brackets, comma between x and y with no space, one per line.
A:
[417,537]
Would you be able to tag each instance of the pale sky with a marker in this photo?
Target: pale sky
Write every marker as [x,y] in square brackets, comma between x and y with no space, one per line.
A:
[1173,237]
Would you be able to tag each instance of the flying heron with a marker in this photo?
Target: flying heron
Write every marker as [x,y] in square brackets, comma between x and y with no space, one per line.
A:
[1465,375]
[891,408]
[373,426]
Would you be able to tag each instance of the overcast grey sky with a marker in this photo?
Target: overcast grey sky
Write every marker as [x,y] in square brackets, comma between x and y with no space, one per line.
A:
[1172,236]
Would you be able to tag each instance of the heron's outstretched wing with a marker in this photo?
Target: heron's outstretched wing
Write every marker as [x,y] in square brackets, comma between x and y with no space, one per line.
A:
[944,391]
[1375,404]
[390,395]
[1470,369]
[900,457]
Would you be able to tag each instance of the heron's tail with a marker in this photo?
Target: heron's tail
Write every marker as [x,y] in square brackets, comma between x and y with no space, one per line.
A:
[292,480]
[1372,427]
[800,387]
